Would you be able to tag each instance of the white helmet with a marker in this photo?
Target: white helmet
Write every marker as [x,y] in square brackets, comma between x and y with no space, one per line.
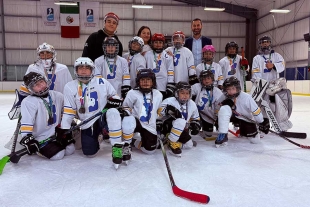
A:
[87,62]
[135,39]
[46,47]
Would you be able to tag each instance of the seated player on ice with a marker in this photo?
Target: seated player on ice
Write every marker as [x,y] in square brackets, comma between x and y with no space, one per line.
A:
[86,96]
[207,101]
[178,117]
[239,107]
[41,113]
[142,103]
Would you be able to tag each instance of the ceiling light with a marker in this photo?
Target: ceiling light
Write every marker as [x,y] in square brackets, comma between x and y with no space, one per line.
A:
[142,6]
[213,9]
[67,3]
[279,11]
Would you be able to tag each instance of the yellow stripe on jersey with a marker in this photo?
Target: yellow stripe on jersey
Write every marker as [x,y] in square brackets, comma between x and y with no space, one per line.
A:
[176,131]
[24,89]
[26,128]
[256,112]
[255,70]
[98,76]
[69,111]
[126,77]
[170,73]
[160,109]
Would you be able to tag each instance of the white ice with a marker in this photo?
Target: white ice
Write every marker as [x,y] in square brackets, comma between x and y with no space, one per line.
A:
[273,173]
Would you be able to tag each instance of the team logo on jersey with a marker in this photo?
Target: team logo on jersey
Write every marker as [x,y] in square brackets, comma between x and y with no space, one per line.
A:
[52,79]
[202,103]
[176,59]
[89,15]
[113,69]
[233,69]
[50,14]
[266,69]
[147,108]
[93,101]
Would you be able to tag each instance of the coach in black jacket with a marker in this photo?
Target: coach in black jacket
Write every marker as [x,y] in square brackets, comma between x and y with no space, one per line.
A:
[93,46]
[197,41]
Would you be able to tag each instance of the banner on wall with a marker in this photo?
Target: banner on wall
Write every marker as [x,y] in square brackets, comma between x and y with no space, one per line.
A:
[89,15]
[70,21]
[50,15]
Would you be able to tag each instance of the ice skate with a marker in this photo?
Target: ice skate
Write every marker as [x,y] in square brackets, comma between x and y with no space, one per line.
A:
[175,148]
[117,154]
[221,140]
[126,153]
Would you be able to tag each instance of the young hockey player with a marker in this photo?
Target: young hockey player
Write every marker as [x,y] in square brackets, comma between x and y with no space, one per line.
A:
[232,64]
[267,64]
[240,106]
[208,52]
[142,104]
[183,60]
[86,96]
[41,113]
[58,74]
[112,67]
[162,65]
[134,58]
[183,118]
[207,101]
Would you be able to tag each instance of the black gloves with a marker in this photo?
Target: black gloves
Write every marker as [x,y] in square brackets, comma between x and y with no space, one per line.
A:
[230,103]
[192,79]
[122,112]
[159,125]
[171,110]
[194,126]
[170,90]
[30,143]
[63,138]
[264,126]
[113,103]
[124,91]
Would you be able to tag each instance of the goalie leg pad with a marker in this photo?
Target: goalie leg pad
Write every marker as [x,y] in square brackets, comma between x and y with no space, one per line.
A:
[128,127]
[115,126]
[178,126]
[224,115]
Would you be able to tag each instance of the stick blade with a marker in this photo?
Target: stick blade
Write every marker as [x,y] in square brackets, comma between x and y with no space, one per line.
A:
[298,135]
[200,198]
[3,162]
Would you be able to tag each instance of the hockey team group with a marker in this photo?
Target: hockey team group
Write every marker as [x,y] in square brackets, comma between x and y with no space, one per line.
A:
[145,97]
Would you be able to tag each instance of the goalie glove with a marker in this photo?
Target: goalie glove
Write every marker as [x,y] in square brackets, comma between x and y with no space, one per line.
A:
[30,143]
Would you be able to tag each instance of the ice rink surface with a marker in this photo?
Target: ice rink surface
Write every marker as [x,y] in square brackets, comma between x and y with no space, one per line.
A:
[273,173]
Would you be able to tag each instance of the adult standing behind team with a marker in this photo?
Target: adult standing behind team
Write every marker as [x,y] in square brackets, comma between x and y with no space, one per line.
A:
[93,46]
[197,41]
[146,34]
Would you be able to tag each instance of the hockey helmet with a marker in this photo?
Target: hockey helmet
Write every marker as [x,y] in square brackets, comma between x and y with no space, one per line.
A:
[264,48]
[45,47]
[204,74]
[111,15]
[158,37]
[145,73]
[182,86]
[31,79]
[231,44]
[178,44]
[110,41]
[208,48]
[140,41]
[231,81]
[84,61]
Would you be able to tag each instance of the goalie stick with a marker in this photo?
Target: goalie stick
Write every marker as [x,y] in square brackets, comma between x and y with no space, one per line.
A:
[200,198]
[15,157]
[291,141]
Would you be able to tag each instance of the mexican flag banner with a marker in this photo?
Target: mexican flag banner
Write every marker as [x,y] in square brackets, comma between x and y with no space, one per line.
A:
[70,21]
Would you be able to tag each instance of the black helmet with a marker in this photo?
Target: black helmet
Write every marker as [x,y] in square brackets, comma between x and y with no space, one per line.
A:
[31,79]
[231,81]
[264,49]
[204,74]
[110,41]
[145,73]
[182,86]
[231,44]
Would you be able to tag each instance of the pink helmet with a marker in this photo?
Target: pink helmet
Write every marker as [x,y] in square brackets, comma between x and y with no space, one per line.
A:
[208,48]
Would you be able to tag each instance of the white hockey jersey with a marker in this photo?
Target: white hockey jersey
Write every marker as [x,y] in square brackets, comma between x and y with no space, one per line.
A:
[96,94]
[162,66]
[189,110]
[59,76]
[246,106]
[135,63]
[35,115]
[216,70]
[259,69]
[144,108]
[208,102]
[117,74]
[146,48]
[183,61]
[229,65]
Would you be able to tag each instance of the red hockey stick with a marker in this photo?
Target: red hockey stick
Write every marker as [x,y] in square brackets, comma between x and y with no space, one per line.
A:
[200,198]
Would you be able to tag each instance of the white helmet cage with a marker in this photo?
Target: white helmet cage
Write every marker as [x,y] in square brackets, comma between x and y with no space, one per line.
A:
[46,47]
[135,39]
[85,61]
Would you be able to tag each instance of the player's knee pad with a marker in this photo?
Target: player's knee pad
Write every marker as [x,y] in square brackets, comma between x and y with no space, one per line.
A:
[59,155]
[115,125]
[177,128]
[224,115]
[128,127]
[69,149]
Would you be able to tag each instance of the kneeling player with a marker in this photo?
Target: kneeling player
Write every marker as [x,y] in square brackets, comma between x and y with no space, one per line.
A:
[41,113]
[241,107]
[142,104]
[183,112]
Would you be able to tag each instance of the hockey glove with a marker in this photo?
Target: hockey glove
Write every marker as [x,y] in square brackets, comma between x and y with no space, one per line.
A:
[264,126]
[230,103]
[63,138]
[192,79]
[171,110]
[122,112]
[159,125]
[30,143]
[170,90]
[194,126]
[113,103]
[124,91]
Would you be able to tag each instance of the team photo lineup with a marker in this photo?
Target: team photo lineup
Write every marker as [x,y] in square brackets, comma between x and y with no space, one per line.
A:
[155,97]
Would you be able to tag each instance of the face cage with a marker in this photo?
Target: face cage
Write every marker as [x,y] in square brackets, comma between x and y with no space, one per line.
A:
[232,96]
[133,52]
[146,90]
[265,50]
[231,55]
[110,55]
[178,98]
[84,78]
[207,87]
[40,93]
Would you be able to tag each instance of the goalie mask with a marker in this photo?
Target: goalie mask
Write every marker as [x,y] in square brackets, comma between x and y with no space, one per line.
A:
[135,45]
[84,63]
[158,41]
[207,84]
[264,45]
[229,51]
[37,84]
[178,39]
[231,87]
[110,47]
[46,54]
[183,92]
[207,50]
[146,86]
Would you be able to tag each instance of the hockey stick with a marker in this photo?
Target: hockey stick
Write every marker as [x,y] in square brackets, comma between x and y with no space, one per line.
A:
[15,157]
[243,68]
[16,135]
[200,198]
[287,139]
